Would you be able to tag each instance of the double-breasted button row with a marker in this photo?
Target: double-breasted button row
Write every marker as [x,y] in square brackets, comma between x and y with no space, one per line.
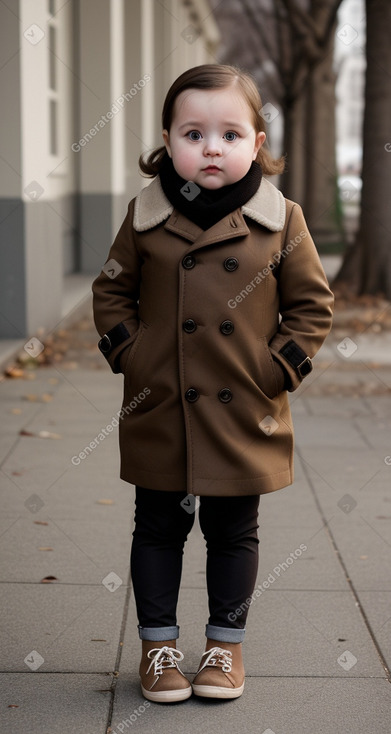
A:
[226,327]
[224,395]
[230,263]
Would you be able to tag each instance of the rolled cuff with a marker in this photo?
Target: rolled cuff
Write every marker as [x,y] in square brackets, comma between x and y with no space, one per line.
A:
[158,634]
[224,634]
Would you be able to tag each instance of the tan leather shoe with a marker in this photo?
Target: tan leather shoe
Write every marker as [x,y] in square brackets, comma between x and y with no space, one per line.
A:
[162,680]
[221,672]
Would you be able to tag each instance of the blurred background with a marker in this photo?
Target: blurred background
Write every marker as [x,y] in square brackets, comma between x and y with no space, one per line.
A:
[82,87]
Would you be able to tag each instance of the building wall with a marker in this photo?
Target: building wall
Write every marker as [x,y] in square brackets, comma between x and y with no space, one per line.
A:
[36,242]
[83,84]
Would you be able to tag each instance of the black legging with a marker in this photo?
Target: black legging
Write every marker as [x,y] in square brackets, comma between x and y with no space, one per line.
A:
[229,526]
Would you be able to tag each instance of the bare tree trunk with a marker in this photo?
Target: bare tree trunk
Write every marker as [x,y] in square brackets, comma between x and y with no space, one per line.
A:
[292,182]
[367,268]
[321,195]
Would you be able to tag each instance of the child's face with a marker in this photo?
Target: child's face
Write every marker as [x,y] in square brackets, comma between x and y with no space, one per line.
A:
[212,140]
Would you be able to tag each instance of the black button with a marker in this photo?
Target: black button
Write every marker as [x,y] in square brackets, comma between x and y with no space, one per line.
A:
[189,326]
[231,263]
[105,344]
[226,328]
[225,395]
[188,262]
[192,395]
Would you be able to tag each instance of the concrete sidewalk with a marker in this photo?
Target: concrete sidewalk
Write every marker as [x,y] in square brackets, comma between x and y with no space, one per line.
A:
[319,630]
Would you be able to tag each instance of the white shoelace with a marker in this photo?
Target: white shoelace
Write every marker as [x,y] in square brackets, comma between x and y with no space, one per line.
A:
[163,658]
[216,657]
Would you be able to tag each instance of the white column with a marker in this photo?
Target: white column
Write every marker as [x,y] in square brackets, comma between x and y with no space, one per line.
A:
[117,85]
[148,110]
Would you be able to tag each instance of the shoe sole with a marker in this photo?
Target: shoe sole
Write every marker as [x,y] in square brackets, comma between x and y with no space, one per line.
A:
[217,691]
[180,694]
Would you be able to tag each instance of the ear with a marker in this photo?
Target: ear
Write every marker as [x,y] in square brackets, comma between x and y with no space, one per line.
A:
[166,138]
[259,141]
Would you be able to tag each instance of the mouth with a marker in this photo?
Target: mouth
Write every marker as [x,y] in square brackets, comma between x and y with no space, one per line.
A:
[211,169]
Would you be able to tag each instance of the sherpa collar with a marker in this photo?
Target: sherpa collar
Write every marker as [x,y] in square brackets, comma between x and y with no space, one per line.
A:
[267,207]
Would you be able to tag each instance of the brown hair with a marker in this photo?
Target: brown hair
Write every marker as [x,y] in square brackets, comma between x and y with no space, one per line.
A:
[214,76]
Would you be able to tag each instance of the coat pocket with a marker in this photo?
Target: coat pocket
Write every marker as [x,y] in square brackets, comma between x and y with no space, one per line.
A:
[272,375]
[129,353]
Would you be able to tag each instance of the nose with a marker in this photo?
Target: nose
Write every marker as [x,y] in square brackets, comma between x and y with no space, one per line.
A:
[212,146]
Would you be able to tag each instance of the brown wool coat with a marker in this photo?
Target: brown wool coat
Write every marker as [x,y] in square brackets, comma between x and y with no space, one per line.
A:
[176,287]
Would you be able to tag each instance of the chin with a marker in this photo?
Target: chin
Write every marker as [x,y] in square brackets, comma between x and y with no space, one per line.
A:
[211,184]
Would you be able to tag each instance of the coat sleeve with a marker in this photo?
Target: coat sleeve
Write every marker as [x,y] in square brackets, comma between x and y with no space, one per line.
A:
[116,290]
[306,301]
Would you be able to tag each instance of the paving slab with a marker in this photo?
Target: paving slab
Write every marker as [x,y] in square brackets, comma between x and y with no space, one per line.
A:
[78,492]
[6,445]
[54,703]
[366,554]
[344,470]
[74,550]
[377,607]
[300,557]
[377,430]
[328,431]
[75,628]
[280,705]
[348,407]
[359,518]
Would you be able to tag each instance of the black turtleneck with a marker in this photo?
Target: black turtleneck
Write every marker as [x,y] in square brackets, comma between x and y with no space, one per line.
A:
[209,205]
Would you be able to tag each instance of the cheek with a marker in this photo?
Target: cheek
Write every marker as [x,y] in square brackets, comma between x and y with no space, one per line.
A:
[184,160]
[241,158]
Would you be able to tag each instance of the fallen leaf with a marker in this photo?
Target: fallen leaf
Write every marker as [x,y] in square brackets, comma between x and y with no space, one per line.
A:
[363,558]
[13,706]
[45,548]
[46,397]
[39,434]
[16,411]
[40,522]
[53,380]
[104,502]
[48,579]
[97,639]
[48,434]
[14,372]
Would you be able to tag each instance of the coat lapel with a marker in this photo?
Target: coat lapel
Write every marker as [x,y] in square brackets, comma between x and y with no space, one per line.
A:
[266,207]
